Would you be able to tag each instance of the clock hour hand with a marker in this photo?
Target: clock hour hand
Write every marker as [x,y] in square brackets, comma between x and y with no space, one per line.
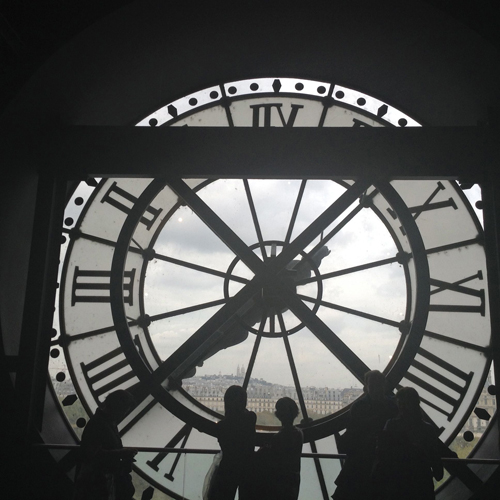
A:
[196,347]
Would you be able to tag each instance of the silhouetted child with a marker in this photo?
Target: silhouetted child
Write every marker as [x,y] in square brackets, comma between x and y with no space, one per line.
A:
[409,454]
[236,436]
[367,418]
[278,467]
[104,471]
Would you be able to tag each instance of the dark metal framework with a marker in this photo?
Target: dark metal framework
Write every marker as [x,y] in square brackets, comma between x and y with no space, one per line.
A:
[355,153]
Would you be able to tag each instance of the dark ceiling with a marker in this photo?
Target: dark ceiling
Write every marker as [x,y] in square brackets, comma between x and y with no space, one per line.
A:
[32,30]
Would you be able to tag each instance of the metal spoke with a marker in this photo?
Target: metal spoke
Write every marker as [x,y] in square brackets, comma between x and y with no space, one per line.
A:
[453,246]
[272,324]
[255,349]
[203,340]
[319,471]
[216,224]
[92,333]
[354,312]
[295,210]
[329,339]
[293,368]
[201,269]
[186,310]
[255,218]
[454,341]
[348,270]
[98,239]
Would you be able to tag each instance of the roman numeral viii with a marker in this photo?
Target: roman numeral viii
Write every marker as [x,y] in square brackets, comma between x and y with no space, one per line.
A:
[441,385]
[107,373]
[94,286]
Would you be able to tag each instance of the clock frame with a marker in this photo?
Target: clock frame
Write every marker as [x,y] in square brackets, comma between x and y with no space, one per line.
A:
[361,110]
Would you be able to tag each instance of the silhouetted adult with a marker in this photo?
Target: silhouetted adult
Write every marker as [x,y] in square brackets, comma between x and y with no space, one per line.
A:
[409,454]
[278,463]
[367,419]
[236,436]
[104,469]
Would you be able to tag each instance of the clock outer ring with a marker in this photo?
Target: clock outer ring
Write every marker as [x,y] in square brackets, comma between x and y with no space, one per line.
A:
[314,430]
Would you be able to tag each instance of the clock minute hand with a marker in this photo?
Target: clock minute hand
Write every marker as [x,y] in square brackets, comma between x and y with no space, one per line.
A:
[202,341]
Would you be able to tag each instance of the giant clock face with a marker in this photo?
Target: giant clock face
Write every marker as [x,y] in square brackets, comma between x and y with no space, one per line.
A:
[170,285]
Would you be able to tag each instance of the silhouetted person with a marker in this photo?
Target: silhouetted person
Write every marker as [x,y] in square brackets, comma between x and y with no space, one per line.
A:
[278,463]
[236,436]
[367,419]
[408,453]
[104,470]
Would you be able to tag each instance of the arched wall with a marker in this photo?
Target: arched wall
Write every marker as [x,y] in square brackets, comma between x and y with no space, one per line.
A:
[152,51]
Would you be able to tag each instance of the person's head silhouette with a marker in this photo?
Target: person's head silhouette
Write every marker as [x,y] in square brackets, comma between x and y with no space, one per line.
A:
[235,399]
[117,404]
[286,410]
[375,384]
[408,402]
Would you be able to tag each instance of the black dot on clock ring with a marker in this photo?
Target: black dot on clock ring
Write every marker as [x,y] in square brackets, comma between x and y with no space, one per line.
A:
[81,423]
[468,436]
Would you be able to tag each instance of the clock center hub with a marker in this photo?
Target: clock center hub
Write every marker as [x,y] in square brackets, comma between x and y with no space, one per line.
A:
[267,313]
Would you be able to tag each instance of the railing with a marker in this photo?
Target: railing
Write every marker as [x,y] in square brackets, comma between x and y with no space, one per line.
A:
[339,456]
[182,476]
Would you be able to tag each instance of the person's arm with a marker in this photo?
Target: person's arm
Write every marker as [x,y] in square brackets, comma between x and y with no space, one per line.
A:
[93,448]
[436,462]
